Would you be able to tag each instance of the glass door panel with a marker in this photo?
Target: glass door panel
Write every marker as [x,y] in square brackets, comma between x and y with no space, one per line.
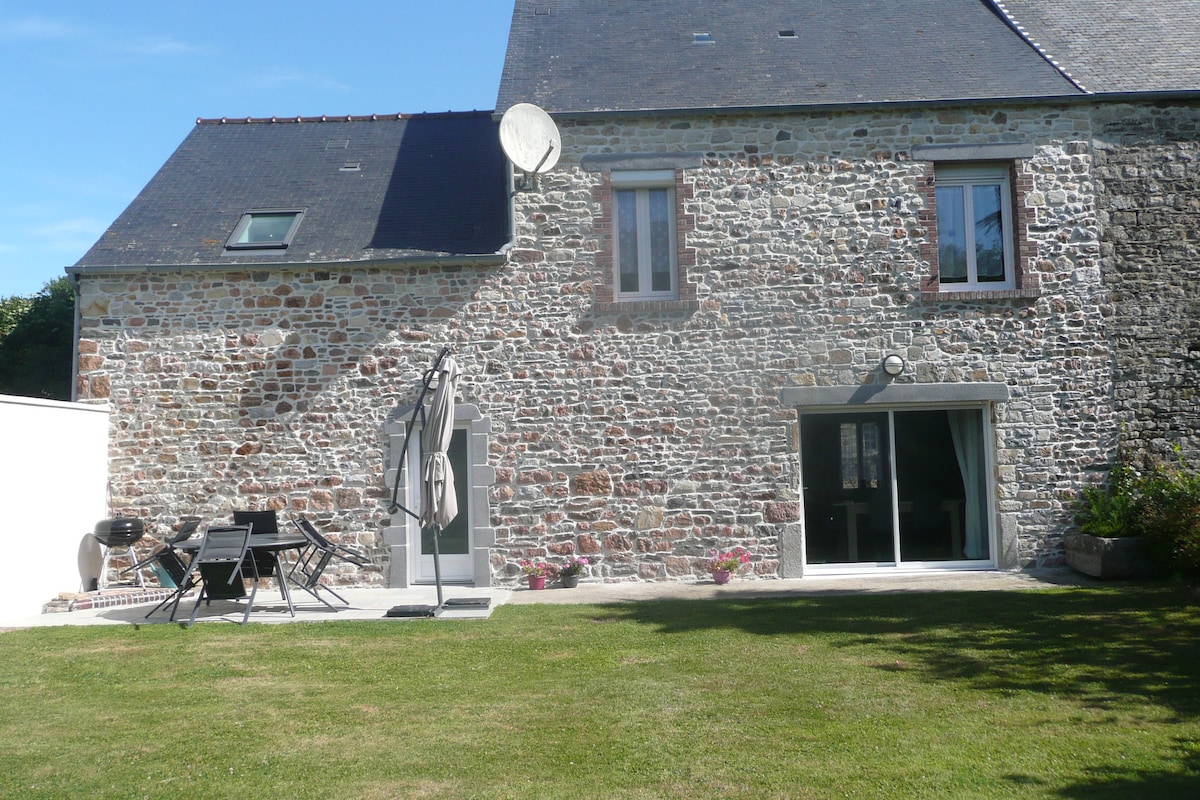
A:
[938,455]
[454,546]
[847,488]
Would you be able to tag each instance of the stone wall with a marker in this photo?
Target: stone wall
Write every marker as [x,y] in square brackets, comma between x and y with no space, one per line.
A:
[666,434]
[263,389]
[640,437]
[1148,186]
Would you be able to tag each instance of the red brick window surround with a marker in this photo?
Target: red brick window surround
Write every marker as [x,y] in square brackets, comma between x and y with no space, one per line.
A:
[608,298]
[1025,282]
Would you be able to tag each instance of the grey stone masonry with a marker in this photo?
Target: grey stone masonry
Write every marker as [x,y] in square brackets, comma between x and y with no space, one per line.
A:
[1148,187]
[641,435]
[662,433]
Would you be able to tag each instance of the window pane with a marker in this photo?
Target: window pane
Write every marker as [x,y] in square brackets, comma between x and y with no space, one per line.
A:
[660,240]
[849,455]
[266,228]
[989,233]
[870,454]
[952,235]
[941,474]
[626,203]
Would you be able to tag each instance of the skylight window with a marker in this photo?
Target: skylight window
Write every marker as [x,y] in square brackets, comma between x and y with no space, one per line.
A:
[258,230]
[702,37]
[788,33]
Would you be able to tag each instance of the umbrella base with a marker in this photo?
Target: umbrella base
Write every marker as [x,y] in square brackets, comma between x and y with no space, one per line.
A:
[467,602]
[410,611]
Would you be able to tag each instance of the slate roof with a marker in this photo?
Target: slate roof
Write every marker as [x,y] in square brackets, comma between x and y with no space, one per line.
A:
[1118,45]
[431,184]
[606,55]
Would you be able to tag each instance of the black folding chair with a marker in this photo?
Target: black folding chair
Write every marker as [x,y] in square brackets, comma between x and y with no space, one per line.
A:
[263,522]
[187,526]
[316,556]
[168,559]
[219,564]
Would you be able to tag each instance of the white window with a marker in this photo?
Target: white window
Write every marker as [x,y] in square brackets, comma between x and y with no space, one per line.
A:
[974,227]
[644,237]
[258,230]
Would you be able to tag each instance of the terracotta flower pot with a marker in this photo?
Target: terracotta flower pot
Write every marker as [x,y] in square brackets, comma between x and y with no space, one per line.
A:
[721,575]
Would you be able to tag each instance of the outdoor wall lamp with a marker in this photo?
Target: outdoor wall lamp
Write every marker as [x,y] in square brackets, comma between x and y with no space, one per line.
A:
[893,364]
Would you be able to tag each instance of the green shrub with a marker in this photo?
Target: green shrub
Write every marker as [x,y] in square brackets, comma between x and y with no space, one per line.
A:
[1167,516]
[1108,511]
[1159,502]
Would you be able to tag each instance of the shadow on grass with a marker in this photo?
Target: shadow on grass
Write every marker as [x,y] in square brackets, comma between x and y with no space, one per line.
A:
[1113,784]
[1105,648]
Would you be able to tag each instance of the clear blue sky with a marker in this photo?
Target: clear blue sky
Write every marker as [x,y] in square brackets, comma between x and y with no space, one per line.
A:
[97,94]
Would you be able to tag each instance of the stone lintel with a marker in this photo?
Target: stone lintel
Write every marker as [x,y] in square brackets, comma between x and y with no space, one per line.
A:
[972,152]
[886,394]
[600,162]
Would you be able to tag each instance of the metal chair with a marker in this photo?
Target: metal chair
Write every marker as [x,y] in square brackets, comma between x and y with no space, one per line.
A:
[167,558]
[306,572]
[219,564]
[263,522]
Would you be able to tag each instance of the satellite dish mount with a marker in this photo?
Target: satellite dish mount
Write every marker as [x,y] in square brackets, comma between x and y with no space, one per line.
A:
[531,141]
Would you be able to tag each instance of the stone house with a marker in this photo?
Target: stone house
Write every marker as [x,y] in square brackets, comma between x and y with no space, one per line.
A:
[855,286]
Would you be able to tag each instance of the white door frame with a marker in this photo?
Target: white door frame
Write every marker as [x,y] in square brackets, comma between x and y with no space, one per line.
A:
[455,567]
[899,565]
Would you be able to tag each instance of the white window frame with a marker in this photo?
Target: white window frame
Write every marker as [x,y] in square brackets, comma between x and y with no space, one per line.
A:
[968,176]
[640,182]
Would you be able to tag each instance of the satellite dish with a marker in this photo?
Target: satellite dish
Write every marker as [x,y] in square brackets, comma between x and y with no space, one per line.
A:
[530,138]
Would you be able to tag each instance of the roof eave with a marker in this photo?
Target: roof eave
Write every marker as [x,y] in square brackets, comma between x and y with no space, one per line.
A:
[402,262]
[1015,100]
[791,108]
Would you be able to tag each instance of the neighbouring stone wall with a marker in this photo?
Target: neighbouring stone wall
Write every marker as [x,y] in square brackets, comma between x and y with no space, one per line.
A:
[1148,187]
[643,437]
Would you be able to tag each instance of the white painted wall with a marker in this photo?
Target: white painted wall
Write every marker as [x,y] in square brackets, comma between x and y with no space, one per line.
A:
[53,490]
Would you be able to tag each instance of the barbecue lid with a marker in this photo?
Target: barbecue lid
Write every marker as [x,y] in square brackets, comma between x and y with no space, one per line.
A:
[120,530]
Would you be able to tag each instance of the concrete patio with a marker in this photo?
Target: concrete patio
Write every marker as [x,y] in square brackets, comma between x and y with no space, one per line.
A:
[373,604]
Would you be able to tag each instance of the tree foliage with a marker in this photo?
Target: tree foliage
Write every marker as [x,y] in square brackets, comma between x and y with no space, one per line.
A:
[36,340]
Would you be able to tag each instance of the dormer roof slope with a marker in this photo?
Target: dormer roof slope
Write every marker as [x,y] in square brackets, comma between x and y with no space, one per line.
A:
[370,188]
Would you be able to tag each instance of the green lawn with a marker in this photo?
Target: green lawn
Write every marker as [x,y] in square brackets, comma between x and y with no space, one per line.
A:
[1073,693]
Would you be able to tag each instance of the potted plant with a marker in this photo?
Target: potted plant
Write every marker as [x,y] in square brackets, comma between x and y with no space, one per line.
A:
[568,574]
[1145,522]
[1108,544]
[536,572]
[722,566]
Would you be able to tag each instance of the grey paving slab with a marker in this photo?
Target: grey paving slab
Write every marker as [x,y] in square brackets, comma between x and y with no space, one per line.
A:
[373,604]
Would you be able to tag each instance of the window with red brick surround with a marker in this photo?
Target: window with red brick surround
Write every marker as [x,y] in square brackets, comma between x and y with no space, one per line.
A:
[1024,253]
[607,295]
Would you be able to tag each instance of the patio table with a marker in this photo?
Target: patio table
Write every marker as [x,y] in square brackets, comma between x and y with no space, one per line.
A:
[271,543]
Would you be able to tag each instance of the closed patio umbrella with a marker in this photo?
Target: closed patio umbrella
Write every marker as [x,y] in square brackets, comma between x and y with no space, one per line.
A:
[439,503]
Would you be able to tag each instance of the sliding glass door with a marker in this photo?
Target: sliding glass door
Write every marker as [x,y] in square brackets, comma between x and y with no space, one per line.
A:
[894,487]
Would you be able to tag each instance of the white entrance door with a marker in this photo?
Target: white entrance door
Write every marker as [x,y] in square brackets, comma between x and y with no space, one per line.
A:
[454,543]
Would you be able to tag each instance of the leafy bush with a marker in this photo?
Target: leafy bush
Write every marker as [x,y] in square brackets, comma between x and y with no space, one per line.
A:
[1159,502]
[1108,511]
[1167,516]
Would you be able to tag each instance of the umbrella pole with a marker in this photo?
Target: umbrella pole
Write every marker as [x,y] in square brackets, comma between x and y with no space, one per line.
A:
[437,564]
